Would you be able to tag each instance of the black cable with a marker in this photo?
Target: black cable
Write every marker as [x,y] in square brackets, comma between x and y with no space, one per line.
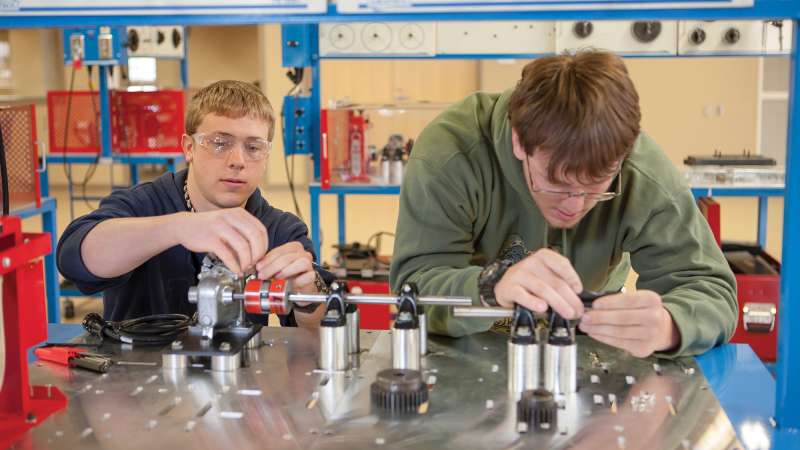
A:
[4,175]
[286,142]
[90,171]
[158,329]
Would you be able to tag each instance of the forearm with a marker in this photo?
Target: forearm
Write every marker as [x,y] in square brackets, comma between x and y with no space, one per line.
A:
[116,246]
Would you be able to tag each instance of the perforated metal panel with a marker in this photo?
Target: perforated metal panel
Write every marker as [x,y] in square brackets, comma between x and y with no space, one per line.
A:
[18,125]
[78,133]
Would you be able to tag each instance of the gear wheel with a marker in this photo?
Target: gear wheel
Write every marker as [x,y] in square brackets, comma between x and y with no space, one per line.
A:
[399,391]
[538,409]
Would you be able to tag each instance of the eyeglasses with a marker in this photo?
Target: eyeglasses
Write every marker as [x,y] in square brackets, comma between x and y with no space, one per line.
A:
[589,196]
[221,144]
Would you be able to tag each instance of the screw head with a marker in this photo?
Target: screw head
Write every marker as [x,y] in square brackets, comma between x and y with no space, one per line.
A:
[6,262]
[177,345]
[225,346]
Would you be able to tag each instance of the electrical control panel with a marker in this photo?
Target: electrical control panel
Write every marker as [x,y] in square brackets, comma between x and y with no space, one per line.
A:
[641,37]
[721,37]
[377,39]
[495,38]
[156,42]
[95,45]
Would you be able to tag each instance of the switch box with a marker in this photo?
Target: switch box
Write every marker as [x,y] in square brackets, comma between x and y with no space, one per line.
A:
[156,42]
[495,38]
[95,45]
[622,37]
[377,39]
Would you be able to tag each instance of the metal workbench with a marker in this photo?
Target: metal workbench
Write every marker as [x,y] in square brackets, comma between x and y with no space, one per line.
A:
[281,401]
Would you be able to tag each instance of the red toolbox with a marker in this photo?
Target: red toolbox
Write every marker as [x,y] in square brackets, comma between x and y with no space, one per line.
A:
[758,283]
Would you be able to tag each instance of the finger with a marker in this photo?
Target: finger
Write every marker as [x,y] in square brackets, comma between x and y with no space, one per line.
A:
[293,268]
[277,252]
[306,279]
[633,332]
[561,267]
[614,317]
[251,229]
[625,344]
[224,253]
[278,264]
[638,299]
[544,290]
[522,297]
[240,247]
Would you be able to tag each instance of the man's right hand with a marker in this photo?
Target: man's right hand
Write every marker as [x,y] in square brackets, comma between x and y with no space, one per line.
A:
[542,279]
[234,235]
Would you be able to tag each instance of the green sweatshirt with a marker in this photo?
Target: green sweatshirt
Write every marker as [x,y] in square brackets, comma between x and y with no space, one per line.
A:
[464,198]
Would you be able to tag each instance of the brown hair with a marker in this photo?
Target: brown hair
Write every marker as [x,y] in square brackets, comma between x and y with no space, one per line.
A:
[581,108]
[229,98]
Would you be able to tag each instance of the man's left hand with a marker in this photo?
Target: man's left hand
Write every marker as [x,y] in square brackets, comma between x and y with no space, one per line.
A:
[291,262]
[636,322]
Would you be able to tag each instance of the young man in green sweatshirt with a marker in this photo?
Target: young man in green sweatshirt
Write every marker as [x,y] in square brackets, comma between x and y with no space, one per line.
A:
[538,193]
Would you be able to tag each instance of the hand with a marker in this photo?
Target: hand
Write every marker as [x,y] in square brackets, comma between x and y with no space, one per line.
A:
[291,262]
[234,235]
[636,322]
[542,279]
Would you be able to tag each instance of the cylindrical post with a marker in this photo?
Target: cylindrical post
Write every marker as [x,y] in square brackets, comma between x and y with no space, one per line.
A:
[561,357]
[334,353]
[405,349]
[353,319]
[523,367]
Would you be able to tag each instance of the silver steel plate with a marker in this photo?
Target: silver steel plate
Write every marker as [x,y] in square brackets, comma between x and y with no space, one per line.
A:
[282,401]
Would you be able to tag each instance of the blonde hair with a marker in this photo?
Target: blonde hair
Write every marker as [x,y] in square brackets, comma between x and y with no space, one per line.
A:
[229,98]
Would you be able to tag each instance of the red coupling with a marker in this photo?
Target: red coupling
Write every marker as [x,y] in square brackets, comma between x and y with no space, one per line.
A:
[252,297]
[277,301]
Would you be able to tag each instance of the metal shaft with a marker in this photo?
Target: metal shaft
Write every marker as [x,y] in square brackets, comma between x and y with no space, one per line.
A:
[478,311]
[374,299]
[423,333]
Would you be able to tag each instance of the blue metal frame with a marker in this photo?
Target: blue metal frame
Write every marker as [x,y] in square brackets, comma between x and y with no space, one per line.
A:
[763,195]
[762,9]
[315,191]
[787,412]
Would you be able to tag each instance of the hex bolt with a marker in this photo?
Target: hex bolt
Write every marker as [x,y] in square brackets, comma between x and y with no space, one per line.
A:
[225,346]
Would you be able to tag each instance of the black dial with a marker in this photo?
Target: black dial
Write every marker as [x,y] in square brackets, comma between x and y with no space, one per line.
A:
[732,36]
[583,29]
[698,36]
[646,31]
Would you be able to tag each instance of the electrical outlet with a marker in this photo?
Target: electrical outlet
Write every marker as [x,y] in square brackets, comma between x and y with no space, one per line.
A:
[77,47]
[377,39]
[495,38]
[722,37]
[297,124]
[620,36]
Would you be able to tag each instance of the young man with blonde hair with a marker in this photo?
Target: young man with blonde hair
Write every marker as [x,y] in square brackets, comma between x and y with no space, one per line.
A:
[538,193]
[144,246]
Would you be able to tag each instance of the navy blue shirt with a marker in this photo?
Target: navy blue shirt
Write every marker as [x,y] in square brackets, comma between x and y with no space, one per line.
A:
[161,284]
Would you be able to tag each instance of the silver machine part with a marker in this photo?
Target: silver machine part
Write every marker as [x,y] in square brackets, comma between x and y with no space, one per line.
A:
[174,361]
[477,311]
[334,352]
[214,298]
[353,320]
[366,299]
[523,368]
[423,333]
[255,341]
[226,363]
[561,368]
[406,349]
